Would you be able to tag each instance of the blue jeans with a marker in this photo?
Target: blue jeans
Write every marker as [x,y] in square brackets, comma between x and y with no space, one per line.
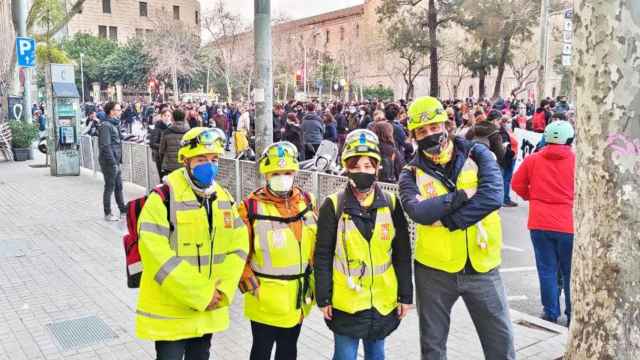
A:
[346,348]
[553,252]
[507,174]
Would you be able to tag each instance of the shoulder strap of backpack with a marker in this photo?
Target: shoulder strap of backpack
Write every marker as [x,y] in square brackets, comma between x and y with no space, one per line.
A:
[339,205]
[251,204]
[390,200]
[164,192]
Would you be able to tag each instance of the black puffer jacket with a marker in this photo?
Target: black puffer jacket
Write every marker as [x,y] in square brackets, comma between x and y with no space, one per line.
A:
[170,144]
[367,324]
[110,143]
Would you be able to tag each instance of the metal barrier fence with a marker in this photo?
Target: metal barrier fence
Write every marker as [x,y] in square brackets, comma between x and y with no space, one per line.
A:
[238,176]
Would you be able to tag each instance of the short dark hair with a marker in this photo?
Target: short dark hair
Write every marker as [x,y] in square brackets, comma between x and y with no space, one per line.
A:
[108,107]
[178,115]
[559,116]
[391,111]
[311,106]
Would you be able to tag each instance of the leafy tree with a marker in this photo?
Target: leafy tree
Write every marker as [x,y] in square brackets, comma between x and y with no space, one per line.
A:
[94,49]
[127,64]
[380,92]
[51,54]
[480,62]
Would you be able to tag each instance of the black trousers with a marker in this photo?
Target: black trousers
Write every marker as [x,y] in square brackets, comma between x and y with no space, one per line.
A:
[112,185]
[191,349]
[264,336]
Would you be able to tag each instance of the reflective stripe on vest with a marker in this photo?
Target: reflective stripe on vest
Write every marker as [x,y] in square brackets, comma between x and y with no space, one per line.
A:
[262,229]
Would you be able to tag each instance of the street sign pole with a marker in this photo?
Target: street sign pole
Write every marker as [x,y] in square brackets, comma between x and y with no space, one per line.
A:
[263,92]
[22,31]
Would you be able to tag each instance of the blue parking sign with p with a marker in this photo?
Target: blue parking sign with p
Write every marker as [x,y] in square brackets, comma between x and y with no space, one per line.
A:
[26,51]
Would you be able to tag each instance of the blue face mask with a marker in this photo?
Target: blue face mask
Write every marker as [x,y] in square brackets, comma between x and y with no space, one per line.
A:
[205,174]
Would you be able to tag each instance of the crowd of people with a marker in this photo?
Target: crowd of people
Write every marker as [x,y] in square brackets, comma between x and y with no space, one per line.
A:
[351,254]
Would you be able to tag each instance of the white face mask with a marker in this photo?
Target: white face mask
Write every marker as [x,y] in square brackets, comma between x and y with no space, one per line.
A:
[281,184]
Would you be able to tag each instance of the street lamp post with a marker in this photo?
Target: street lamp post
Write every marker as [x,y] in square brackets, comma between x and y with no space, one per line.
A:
[82,75]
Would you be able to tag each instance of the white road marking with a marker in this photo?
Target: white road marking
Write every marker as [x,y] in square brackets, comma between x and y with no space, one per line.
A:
[517,298]
[512,248]
[518,269]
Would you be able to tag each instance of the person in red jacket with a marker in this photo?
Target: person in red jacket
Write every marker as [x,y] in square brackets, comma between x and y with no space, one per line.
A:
[546,180]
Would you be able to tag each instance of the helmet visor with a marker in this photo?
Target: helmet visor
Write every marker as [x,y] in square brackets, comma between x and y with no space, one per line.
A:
[207,138]
[283,148]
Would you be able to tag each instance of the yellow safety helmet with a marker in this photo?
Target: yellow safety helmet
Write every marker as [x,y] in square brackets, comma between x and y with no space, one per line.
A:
[280,156]
[360,142]
[424,111]
[201,141]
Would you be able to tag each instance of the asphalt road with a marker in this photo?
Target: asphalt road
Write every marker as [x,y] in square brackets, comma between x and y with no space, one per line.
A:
[518,268]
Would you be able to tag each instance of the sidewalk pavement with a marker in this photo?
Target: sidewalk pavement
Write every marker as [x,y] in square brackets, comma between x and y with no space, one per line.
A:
[63,291]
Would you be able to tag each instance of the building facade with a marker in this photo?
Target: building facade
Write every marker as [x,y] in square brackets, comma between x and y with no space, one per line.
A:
[353,39]
[120,20]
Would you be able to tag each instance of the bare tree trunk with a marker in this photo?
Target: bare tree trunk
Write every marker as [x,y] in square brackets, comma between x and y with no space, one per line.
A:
[433,42]
[286,89]
[605,279]
[482,88]
[502,60]
[174,78]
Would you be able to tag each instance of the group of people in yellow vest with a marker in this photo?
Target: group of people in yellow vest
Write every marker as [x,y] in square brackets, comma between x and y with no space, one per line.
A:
[351,256]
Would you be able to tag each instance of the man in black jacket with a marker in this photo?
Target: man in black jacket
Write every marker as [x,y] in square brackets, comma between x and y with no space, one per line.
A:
[156,135]
[110,158]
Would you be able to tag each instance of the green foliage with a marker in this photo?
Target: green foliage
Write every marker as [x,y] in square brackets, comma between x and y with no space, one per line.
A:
[380,92]
[473,60]
[46,13]
[22,134]
[328,72]
[51,54]
[127,64]
[95,50]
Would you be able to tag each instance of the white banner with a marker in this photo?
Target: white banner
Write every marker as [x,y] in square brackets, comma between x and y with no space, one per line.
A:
[527,141]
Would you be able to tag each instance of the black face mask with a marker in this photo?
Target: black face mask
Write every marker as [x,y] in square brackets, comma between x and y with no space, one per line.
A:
[431,143]
[363,181]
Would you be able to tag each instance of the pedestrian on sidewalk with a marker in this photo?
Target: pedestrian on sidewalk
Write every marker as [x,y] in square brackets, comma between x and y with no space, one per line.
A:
[452,189]
[277,279]
[508,163]
[155,137]
[193,246]
[546,179]
[170,144]
[110,160]
[363,256]
[313,130]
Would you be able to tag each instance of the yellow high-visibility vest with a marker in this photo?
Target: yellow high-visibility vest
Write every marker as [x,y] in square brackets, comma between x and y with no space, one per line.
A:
[445,250]
[363,275]
[183,266]
[281,264]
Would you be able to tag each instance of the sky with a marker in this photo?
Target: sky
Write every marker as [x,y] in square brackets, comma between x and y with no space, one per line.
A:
[296,9]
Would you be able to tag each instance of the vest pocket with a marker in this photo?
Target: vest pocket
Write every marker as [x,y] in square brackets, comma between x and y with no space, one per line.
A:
[274,296]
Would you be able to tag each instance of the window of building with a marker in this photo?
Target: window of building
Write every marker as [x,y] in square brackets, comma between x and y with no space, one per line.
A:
[142,5]
[148,31]
[176,12]
[470,90]
[328,35]
[102,31]
[357,30]
[139,32]
[197,17]
[106,6]
[341,33]
[113,33]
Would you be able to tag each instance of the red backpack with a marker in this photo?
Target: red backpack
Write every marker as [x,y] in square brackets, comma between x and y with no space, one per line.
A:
[130,239]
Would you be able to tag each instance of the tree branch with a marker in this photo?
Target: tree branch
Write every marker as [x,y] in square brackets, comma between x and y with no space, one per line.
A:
[75,9]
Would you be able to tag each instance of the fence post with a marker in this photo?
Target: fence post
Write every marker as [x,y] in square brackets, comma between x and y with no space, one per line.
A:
[238,181]
[146,167]
[315,184]
[93,158]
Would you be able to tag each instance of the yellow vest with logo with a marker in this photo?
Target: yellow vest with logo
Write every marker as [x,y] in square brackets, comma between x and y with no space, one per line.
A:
[445,250]
[363,275]
[182,267]
[280,261]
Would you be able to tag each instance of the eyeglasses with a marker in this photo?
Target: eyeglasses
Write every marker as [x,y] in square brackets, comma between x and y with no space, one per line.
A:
[283,148]
[207,138]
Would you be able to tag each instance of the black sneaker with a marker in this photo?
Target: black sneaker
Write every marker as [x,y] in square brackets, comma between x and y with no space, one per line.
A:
[510,204]
[545,317]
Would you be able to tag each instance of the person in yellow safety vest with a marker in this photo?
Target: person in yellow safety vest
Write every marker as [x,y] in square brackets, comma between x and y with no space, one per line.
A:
[452,189]
[277,282]
[363,256]
[193,250]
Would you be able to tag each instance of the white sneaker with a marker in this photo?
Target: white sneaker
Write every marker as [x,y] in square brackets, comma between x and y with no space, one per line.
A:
[111,217]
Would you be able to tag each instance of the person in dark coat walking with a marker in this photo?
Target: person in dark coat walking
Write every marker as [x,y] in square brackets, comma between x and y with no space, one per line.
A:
[170,144]
[313,130]
[330,130]
[110,159]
